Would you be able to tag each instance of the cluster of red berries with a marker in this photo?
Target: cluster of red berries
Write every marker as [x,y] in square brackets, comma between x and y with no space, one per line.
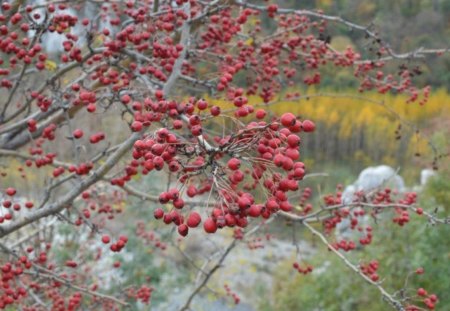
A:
[144,294]
[370,270]
[101,203]
[149,236]
[304,270]
[117,247]
[402,217]
[11,290]
[429,299]
[368,238]
[255,243]
[232,294]
[276,147]
[344,245]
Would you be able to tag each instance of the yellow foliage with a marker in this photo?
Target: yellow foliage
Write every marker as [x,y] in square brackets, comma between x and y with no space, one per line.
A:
[50,65]
[388,160]
[366,8]
[249,41]
[366,125]
[324,3]
[360,156]
[340,43]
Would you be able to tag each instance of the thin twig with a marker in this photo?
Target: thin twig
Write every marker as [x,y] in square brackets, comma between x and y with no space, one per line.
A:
[390,299]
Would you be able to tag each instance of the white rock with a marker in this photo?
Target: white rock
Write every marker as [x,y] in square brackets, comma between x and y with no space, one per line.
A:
[425,175]
[375,176]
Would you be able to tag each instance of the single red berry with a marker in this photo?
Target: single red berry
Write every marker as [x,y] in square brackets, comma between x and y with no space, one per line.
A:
[421,292]
[77,134]
[260,114]
[288,119]
[29,204]
[193,220]
[254,210]
[11,191]
[158,213]
[215,111]
[136,126]
[196,130]
[183,229]
[234,164]
[178,203]
[308,126]
[125,99]
[210,225]
[71,264]
[159,94]
[202,104]
[293,140]
[106,239]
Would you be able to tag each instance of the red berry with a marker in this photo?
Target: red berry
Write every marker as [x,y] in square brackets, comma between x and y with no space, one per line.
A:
[293,140]
[194,220]
[71,264]
[178,203]
[288,119]
[125,99]
[215,111]
[136,126]
[11,191]
[183,229]
[106,239]
[158,213]
[123,238]
[202,104]
[421,292]
[77,134]
[234,164]
[260,114]
[196,130]
[159,94]
[308,126]
[194,120]
[29,204]
[254,210]
[191,191]
[210,225]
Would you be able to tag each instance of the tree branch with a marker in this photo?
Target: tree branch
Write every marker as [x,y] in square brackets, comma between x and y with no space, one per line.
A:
[218,264]
[68,198]
[45,273]
[390,299]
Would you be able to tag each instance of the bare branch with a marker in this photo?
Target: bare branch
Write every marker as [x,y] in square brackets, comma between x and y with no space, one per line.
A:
[218,264]
[310,217]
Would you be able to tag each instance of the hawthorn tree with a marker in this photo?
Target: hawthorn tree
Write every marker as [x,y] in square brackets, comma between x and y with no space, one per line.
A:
[98,93]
